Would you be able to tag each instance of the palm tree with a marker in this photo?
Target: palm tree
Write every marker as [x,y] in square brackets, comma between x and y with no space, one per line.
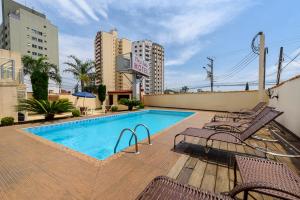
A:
[45,107]
[184,89]
[40,71]
[40,64]
[81,70]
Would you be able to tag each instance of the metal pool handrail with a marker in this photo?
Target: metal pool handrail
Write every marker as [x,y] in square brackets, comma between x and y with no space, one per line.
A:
[133,134]
[148,133]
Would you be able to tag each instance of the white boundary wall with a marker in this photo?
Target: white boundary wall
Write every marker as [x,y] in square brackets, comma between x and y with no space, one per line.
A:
[288,102]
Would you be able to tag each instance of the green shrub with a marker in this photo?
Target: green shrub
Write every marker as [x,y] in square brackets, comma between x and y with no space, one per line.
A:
[101,93]
[39,81]
[129,102]
[114,108]
[76,113]
[141,106]
[7,121]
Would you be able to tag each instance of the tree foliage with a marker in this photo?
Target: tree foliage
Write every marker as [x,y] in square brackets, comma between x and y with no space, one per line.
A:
[40,71]
[40,64]
[45,107]
[184,89]
[81,70]
[39,82]
[101,93]
[247,86]
[129,102]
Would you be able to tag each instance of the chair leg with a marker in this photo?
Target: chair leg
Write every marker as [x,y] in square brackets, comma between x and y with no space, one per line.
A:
[206,148]
[235,174]
[175,141]
[245,195]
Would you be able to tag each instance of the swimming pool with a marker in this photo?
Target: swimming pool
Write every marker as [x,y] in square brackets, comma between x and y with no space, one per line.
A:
[97,137]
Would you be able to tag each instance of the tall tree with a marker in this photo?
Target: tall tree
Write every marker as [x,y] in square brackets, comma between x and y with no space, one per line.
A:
[247,86]
[40,71]
[81,70]
[184,89]
[39,83]
[101,93]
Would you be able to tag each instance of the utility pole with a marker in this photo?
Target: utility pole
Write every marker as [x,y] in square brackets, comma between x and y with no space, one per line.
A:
[262,61]
[210,73]
[279,65]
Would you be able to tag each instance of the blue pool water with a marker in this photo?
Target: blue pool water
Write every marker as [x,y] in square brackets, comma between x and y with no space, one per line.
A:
[97,137]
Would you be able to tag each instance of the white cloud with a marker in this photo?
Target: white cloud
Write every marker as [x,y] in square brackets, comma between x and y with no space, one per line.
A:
[67,9]
[81,47]
[76,11]
[175,79]
[183,56]
[87,9]
[178,22]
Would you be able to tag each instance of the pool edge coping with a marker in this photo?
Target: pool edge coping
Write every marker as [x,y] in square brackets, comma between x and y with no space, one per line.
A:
[90,159]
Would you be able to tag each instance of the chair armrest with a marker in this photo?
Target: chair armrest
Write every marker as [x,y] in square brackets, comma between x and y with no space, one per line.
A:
[223,132]
[258,185]
[263,139]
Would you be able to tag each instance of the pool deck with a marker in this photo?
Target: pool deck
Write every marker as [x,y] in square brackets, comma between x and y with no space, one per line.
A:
[30,169]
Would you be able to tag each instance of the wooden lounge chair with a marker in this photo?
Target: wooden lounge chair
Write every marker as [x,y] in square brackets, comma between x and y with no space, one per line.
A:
[258,175]
[280,181]
[234,137]
[237,126]
[164,188]
[243,114]
[256,108]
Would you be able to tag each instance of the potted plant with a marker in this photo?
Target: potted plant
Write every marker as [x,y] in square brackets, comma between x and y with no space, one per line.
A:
[129,102]
[48,108]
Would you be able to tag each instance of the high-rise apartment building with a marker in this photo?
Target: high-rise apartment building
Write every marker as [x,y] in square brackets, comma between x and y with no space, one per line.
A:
[107,47]
[154,54]
[28,32]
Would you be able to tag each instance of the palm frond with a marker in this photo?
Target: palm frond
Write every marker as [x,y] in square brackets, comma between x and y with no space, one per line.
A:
[44,106]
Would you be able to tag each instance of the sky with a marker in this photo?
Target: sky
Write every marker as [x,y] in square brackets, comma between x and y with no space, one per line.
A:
[190,31]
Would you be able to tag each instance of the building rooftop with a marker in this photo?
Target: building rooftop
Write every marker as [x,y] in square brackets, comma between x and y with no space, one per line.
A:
[9,6]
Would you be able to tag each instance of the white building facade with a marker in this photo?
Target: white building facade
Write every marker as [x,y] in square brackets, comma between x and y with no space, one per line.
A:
[154,54]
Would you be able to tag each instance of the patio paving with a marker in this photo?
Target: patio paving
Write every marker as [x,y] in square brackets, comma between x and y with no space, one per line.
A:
[30,169]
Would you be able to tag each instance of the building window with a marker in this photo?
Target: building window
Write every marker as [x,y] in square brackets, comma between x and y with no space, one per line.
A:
[34,46]
[34,53]
[34,38]
[40,40]
[40,47]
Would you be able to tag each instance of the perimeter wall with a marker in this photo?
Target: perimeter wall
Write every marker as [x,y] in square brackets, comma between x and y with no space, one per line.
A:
[218,101]
[288,101]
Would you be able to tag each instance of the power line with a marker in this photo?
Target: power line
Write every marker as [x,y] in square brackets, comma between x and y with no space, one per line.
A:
[298,54]
[242,66]
[291,58]
[235,67]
